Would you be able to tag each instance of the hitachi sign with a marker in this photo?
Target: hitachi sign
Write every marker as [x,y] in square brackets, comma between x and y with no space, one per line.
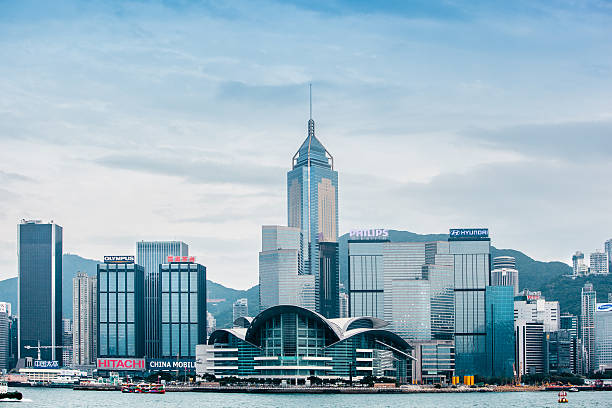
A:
[369,234]
[132,364]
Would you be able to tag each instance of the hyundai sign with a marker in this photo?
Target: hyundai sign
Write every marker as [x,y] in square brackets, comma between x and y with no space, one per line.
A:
[604,307]
[365,234]
[121,259]
[121,364]
[160,364]
[46,364]
[468,234]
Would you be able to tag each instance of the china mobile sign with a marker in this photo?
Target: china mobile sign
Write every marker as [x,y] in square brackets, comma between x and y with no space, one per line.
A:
[170,365]
[359,234]
[122,364]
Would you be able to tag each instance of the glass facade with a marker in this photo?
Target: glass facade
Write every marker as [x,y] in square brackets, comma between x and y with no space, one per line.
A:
[603,335]
[366,285]
[289,341]
[182,308]
[439,272]
[312,203]
[500,331]
[410,309]
[39,255]
[587,326]
[328,280]
[151,254]
[121,315]
[435,362]
[557,352]
[471,276]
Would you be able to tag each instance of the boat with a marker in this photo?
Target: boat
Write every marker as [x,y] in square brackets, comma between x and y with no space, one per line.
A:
[573,389]
[6,394]
[143,388]
[562,397]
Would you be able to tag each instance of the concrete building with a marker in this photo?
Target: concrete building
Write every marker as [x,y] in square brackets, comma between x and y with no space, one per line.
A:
[67,351]
[504,273]
[291,342]
[587,326]
[280,282]
[539,310]
[599,264]
[5,337]
[608,251]
[529,347]
[578,266]
[151,254]
[85,320]
[603,336]
[434,362]
[240,308]
[39,270]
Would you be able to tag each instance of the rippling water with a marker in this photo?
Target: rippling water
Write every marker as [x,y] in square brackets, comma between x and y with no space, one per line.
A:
[66,398]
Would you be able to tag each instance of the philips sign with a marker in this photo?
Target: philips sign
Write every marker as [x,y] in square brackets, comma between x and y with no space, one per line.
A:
[121,364]
[604,307]
[46,364]
[369,234]
[114,259]
[468,234]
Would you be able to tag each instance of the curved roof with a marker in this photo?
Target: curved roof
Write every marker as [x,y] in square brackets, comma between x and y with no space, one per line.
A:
[273,311]
[394,338]
[243,322]
[238,332]
[346,322]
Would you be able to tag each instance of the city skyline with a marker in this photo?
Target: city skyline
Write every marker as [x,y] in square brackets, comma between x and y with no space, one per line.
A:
[425,105]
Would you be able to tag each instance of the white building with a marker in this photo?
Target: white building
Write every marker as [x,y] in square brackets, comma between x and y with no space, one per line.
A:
[279,281]
[67,357]
[344,304]
[529,358]
[578,266]
[598,263]
[504,273]
[603,336]
[211,323]
[587,326]
[538,310]
[240,308]
[84,313]
[51,375]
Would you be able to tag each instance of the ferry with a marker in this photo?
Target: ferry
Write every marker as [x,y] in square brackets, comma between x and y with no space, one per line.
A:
[143,388]
[6,394]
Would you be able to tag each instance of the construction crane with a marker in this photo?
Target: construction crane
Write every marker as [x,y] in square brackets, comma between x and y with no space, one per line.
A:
[39,347]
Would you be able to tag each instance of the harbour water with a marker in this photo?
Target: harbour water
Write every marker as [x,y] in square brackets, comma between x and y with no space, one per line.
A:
[66,398]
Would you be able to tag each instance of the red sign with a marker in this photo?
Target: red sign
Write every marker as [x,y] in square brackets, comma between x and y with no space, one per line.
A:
[131,364]
[190,259]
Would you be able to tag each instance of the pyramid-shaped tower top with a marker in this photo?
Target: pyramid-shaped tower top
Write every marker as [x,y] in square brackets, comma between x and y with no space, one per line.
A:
[312,151]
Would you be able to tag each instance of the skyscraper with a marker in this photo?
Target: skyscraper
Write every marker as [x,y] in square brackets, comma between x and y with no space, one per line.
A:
[39,255]
[598,264]
[569,322]
[578,266]
[151,254]
[5,336]
[538,310]
[603,336]
[500,330]
[471,249]
[504,273]
[529,347]
[67,351]
[279,280]
[85,319]
[240,308]
[608,251]
[312,201]
[587,326]
[365,283]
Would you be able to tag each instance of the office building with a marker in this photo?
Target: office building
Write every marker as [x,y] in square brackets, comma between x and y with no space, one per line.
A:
[344,305]
[608,251]
[504,273]
[598,263]
[578,266]
[327,281]
[67,351]
[569,322]
[538,310]
[183,307]
[151,254]
[366,283]
[240,308]
[39,255]
[587,326]
[603,336]
[556,352]
[312,204]
[434,362]
[471,250]
[120,308]
[529,347]
[439,271]
[5,338]
[500,330]
[410,309]
[291,342]
[211,323]
[280,282]
[85,319]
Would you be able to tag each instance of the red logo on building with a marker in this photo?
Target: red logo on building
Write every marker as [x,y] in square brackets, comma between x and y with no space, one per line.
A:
[172,259]
[132,364]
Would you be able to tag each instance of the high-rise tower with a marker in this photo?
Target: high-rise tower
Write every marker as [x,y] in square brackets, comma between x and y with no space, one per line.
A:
[312,201]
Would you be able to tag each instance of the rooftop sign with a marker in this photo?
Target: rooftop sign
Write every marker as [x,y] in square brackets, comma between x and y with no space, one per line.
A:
[172,259]
[369,234]
[121,259]
[46,364]
[468,234]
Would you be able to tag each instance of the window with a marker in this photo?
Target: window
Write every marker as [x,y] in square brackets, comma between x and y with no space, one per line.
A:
[131,340]
[112,339]
[121,281]
[194,281]
[185,340]
[112,307]
[130,281]
[174,281]
[112,281]
[165,307]
[184,281]
[184,307]
[175,339]
[174,307]
[121,307]
[165,281]
[103,281]
[166,339]
[103,339]
[103,308]
[193,313]
[122,347]
[130,307]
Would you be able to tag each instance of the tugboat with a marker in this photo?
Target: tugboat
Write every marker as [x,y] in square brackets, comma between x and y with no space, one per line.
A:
[562,397]
[6,394]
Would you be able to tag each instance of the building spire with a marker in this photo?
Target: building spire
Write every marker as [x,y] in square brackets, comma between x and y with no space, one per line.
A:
[311,124]
[310,101]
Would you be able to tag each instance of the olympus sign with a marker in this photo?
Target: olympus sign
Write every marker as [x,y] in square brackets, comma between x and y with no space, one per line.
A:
[369,234]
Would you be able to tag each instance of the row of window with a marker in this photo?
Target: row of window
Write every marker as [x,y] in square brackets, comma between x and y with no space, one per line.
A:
[179,281]
[179,307]
[116,281]
[117,307]
[117,339]
[179,339]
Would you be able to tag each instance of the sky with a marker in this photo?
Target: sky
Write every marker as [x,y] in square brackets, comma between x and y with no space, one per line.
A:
[177,120]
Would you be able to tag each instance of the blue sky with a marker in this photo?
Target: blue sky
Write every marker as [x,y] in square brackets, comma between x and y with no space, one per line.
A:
[137,120]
